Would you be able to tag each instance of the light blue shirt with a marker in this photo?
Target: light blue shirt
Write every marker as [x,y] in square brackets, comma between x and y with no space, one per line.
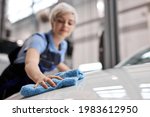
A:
[39,42]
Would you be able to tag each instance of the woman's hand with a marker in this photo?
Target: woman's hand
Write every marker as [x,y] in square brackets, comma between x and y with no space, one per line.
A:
[48,79]
[33,71]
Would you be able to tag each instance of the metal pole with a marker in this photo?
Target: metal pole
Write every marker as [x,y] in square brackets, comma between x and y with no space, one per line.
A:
[36,26]
[111,47]
[2,17]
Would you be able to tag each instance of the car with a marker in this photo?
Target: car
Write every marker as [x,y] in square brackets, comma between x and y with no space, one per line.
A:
[140,57]
[122,83]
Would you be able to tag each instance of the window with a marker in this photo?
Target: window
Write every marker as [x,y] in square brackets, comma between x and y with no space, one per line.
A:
[19,9]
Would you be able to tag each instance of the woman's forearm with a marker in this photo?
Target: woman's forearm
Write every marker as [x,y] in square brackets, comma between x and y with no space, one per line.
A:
[33,71]
[63,67]
[31,65]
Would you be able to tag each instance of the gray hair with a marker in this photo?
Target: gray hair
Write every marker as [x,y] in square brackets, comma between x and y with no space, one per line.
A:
[60,9]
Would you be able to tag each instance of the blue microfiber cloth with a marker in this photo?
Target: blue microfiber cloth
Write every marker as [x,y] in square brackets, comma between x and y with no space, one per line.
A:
[70,78]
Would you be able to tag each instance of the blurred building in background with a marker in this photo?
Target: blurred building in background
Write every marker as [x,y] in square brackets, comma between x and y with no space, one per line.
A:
[134,28]
[133,18]
[3,19]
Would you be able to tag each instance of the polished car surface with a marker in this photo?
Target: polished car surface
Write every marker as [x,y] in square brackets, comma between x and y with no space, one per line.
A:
[129,82]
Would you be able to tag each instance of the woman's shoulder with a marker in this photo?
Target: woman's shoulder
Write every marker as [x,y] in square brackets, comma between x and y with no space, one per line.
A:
[39,35]
[38,38]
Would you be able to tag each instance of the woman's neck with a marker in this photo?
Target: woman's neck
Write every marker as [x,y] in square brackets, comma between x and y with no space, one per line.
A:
[57,40]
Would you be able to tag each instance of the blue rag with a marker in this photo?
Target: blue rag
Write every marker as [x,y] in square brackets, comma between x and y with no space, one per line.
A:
[70,78]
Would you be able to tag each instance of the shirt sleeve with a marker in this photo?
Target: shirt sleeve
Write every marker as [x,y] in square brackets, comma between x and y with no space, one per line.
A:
[38,42]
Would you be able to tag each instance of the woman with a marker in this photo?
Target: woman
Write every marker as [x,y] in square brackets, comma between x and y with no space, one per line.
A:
[40,53]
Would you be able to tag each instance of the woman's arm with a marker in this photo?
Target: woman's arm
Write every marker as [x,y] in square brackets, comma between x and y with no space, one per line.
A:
[62,67]
[32,69]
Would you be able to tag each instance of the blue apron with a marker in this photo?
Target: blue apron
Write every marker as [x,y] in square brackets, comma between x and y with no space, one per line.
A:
[49,60]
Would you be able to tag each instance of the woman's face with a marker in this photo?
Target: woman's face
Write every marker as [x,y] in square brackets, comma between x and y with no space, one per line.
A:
[63,25]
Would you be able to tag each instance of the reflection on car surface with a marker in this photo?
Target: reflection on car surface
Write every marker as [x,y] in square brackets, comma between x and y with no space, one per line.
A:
[140,57]
[128,82]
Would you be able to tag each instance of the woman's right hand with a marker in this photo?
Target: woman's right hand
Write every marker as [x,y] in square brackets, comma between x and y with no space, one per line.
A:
[33,71]
[48,79]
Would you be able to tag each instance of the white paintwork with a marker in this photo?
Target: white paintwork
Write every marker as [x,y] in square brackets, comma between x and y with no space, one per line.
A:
[90,67]
[130,82]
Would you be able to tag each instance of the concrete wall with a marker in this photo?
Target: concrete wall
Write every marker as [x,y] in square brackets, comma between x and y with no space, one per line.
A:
[23,29]
[133,26]
[85,37]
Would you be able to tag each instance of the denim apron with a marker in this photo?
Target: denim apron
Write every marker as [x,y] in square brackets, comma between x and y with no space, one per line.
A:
[49,60]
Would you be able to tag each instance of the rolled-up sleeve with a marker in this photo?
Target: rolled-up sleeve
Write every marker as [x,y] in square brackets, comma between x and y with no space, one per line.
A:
[37,42]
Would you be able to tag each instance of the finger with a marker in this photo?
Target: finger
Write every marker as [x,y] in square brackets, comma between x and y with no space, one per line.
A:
[49,81]
[43,84]
[36,85]
[58,77]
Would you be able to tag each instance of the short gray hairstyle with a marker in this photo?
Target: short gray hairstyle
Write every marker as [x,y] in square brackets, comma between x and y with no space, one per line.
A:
[62,8]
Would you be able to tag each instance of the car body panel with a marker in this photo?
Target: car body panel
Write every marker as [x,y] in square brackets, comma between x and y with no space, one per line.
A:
[126,83]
